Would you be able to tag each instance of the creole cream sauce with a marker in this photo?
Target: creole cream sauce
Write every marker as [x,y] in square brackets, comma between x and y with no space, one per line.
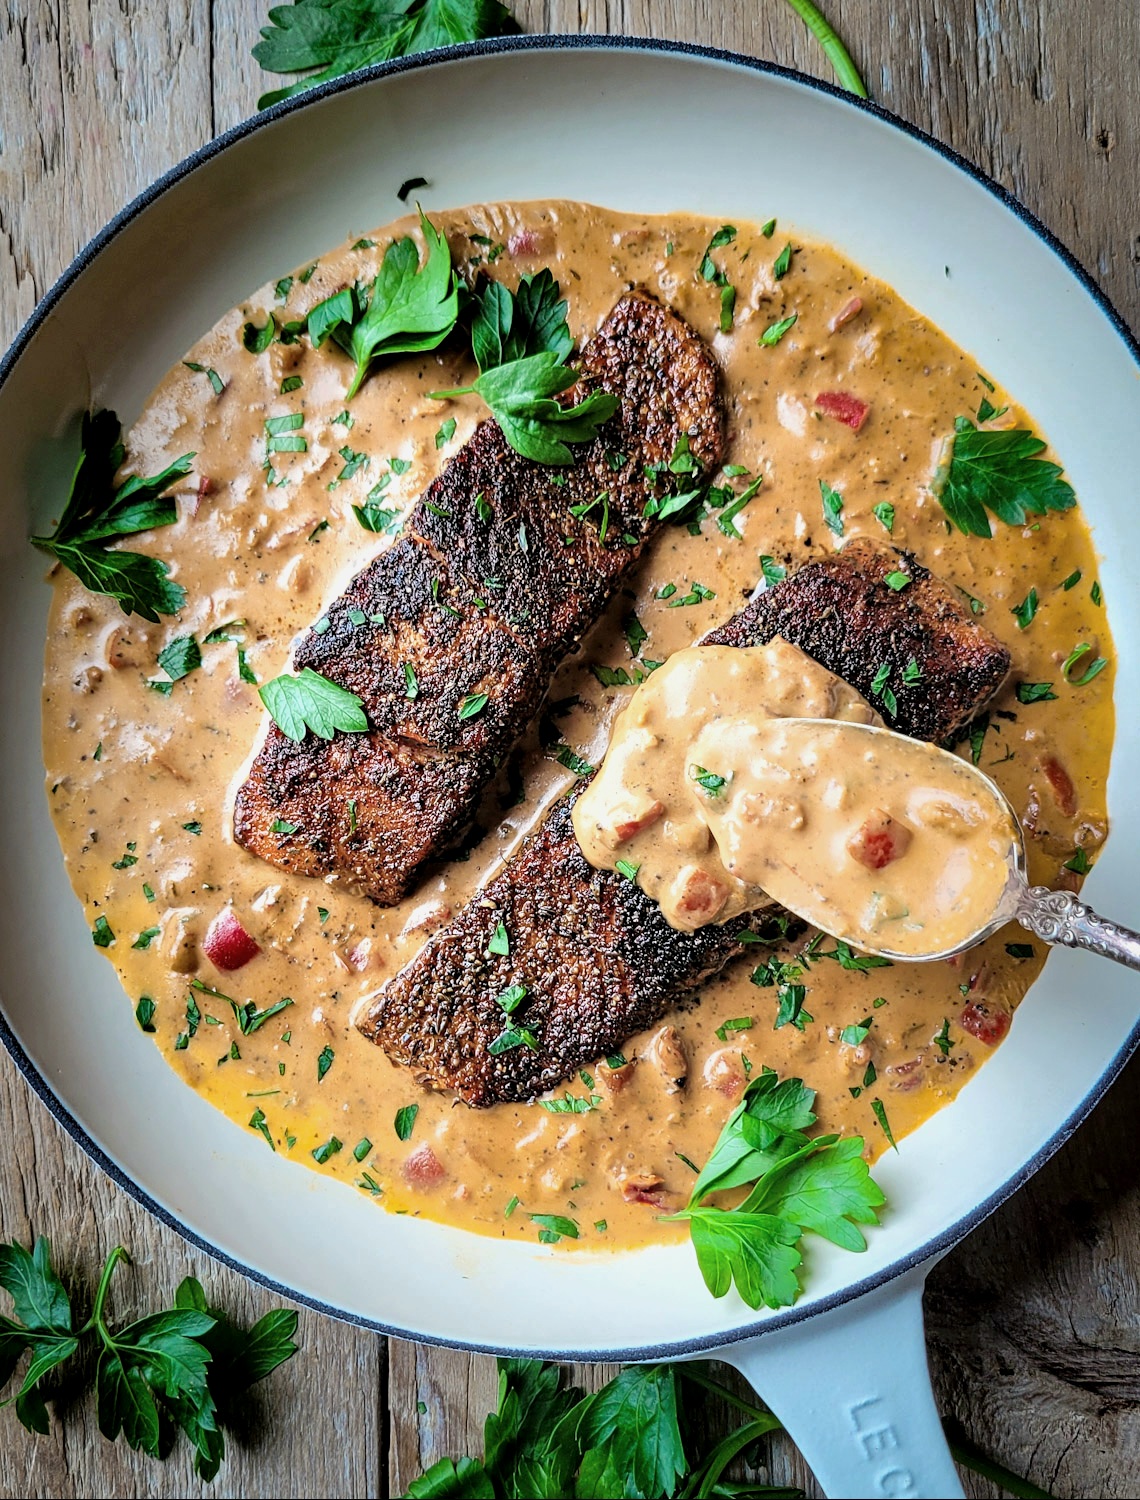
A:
[739,778]
[133,772]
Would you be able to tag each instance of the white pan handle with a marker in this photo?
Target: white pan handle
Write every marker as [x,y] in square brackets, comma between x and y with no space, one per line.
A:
[852,1387]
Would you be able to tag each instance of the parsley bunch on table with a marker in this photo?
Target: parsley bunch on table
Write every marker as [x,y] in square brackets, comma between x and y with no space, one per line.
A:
[323,39]
[185,1368]
[99,512]
[635,1439]
[521,343]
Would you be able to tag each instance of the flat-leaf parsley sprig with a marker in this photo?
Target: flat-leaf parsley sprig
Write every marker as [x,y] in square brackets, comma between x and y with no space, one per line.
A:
[323,39]
[998,470]
[408,308]
[310,701]
[797,1183]
[99,512]
[521,343]
[183,1368]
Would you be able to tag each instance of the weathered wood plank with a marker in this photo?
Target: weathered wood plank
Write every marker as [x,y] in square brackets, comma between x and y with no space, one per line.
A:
[1040,1363]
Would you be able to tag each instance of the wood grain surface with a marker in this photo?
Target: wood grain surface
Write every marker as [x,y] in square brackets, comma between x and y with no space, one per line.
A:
[1034,1334]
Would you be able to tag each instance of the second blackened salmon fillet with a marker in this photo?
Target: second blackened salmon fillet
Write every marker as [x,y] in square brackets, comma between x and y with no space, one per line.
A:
[591,953]
[450,637]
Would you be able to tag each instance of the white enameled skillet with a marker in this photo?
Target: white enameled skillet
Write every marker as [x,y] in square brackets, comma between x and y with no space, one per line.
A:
[644,127]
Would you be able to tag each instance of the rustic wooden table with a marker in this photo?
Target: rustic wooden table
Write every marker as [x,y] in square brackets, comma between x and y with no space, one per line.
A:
[1034,1331]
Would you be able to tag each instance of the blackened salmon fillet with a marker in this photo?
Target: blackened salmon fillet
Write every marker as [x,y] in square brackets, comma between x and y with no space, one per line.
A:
[450,637]
[598,960]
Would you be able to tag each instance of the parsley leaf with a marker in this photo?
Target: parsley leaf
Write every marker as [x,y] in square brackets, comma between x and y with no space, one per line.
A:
[408,309]
[510,326]
[634,1420]
[310,701]
[1023,613]
[521,398]
[1001,472]
[98,511]
[324,39]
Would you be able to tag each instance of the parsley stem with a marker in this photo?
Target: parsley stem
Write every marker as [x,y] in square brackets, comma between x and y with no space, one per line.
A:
[704,1481]
[965,1453]
[837,54]
[755,1413]
[96,1319]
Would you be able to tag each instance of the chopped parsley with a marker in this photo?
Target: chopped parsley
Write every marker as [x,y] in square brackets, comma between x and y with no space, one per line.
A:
[405,1121]
[832,508]
[98,511]
[709,780]
[499,943]
[1035,692]
[554,1227]
[1074,657]
[217,383]
[884,513]
[473,704]
[330,1148]
[776,331]
[1024,612]
[736,1023]
[882,691]
[880,1113]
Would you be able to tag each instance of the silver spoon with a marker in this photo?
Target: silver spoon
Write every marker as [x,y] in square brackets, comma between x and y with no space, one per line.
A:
[1053,916]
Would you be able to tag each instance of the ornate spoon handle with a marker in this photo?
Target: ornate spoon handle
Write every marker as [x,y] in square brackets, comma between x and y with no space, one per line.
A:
[1058,917]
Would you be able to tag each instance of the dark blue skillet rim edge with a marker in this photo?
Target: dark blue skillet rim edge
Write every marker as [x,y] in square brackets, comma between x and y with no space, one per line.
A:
[708,1343]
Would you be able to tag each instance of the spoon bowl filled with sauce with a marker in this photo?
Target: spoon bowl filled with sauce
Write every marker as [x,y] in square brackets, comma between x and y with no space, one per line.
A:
[741,779]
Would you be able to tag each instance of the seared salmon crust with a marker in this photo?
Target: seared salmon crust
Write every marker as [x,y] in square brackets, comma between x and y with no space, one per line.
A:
[597,958]
[492,581]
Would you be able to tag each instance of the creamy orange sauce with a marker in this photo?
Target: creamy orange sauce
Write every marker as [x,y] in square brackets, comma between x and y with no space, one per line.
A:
[135,772]
[717,799]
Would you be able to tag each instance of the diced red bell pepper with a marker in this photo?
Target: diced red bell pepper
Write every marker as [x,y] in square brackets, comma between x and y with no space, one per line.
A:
[227,944]
[423,1169]
[843,407]
[986,1021]
[879,842]
[1060,784]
